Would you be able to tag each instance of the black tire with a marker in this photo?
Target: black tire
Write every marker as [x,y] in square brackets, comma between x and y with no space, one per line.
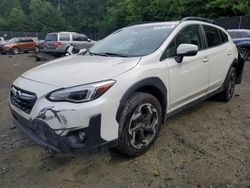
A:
[73,50]
[15,51]
[229,86]
[36,49]
[146,127]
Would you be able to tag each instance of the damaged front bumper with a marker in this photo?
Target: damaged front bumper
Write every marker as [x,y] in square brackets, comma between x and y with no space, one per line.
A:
[83,139]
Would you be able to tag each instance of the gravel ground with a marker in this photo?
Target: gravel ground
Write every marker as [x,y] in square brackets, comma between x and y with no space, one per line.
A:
[205,146]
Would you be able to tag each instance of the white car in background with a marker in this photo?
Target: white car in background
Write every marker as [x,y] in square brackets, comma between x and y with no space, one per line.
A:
[59,43]
[124,88]
[2,41]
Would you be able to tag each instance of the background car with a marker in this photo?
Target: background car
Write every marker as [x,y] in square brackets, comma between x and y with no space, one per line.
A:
[21,44]
[58,43]
[2,41]
[41,44]
[241,38]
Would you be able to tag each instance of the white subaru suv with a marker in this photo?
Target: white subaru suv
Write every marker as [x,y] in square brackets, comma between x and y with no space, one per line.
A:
[125,87]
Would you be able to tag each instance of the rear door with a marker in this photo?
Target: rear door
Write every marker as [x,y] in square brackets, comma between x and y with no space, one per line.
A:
[22,44]
[189,79]
[65,40]
[220,53]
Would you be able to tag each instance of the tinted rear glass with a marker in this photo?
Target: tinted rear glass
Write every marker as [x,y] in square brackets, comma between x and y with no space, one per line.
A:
[212,35]
[77,37]
[64,37]
[224,36]
[51,37]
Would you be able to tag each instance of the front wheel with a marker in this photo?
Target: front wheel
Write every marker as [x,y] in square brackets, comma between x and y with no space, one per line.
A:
[229,86]
[139,124]
[15,51]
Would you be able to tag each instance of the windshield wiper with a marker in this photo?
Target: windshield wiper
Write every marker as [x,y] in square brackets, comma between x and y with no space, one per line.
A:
[115,54]
[106,54]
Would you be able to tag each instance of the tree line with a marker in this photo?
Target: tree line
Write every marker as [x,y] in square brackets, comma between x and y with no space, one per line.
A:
[107,15]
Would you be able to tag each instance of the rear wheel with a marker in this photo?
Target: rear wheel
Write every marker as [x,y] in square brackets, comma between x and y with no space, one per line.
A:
[15,51]
[139,125]
[37,49]
[229,86]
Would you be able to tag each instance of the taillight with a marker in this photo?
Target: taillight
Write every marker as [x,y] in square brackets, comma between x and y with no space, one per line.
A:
[57,43]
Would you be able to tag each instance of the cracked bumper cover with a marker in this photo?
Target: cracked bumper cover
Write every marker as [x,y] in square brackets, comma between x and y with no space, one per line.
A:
[42,134]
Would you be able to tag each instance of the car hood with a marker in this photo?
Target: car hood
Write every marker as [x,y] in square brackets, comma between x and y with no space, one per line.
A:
[78,69]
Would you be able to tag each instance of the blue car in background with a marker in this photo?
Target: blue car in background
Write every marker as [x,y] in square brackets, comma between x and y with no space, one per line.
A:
[241,38]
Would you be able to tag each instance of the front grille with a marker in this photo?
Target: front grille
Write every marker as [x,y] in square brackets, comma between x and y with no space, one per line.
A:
[22,99]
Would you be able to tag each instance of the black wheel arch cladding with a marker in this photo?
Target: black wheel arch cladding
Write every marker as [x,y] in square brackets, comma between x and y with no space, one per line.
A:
[153,86]
[239,66]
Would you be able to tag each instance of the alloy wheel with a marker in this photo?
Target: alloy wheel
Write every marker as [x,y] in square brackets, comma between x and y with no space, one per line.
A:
[143,125]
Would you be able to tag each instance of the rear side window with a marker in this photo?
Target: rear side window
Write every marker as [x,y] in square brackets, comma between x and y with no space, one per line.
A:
[26,40]
[51,37]
[212,35]
[64,37]
[77,37]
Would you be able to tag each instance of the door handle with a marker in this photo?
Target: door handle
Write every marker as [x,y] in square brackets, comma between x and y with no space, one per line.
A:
[205,60]
[229,52]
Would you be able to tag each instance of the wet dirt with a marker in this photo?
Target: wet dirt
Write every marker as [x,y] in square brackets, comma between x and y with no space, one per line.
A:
[205,146]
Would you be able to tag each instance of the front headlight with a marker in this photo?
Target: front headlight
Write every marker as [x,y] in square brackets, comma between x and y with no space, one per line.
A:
[82,93]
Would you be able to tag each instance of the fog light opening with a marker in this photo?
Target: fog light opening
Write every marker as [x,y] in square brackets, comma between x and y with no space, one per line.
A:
[82,136]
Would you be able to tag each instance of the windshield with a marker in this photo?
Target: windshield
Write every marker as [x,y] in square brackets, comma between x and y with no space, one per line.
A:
[133,41]
[51,37]
[13,40]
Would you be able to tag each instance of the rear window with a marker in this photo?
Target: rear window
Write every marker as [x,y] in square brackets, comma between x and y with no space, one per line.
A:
[212,35]
[64,37]
[51,37]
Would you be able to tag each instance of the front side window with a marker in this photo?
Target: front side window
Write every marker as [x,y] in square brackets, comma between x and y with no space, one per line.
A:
[77,37]
[189,35]
[212,35]
[64,37]
[134,41]
[13,40]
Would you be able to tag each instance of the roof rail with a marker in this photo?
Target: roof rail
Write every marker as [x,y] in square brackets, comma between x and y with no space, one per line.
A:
[198,19]
[138,23]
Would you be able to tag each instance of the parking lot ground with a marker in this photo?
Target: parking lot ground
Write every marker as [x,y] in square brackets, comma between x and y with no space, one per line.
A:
[205,146]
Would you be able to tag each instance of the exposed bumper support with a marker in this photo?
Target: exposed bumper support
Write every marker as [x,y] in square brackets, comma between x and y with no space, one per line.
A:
[84,139]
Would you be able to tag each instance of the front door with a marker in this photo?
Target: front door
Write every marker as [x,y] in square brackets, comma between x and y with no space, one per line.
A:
[188,80]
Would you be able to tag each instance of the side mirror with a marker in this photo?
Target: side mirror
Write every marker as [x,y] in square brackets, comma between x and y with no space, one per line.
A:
[82,51]
[186,50]
[89,40]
